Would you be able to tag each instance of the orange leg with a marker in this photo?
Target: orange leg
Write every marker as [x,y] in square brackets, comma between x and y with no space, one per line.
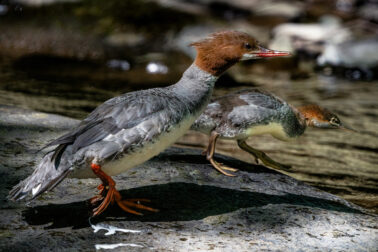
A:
[108,194]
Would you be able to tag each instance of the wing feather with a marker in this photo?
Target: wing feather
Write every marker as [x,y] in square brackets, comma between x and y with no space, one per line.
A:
[244,108]
[120,113]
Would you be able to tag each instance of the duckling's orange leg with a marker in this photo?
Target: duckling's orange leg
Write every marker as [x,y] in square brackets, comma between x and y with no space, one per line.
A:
[258,154]
[108,194]
[210,156]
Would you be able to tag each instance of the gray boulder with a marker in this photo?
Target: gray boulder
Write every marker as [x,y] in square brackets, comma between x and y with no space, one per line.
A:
[355,53]
[311,37]
[200,209]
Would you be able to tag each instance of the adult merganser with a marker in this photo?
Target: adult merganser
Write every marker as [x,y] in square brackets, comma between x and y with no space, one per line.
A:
[127,130]
[255,112]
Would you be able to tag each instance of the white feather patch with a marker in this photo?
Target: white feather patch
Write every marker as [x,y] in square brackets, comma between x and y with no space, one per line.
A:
[274,129]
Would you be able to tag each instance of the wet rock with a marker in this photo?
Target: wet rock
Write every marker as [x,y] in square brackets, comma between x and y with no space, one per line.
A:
[288,9]
[125,40]
[3,9]
[342,8]
[369,11]
[119,64]
[200,209]
[309,38]
[346,6]
[222,9]
[356,60]
[18,117]
[360,53]
[240,8]
[20,128]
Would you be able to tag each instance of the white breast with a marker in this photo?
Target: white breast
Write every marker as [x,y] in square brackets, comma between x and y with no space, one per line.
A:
[275,129]
[148,151]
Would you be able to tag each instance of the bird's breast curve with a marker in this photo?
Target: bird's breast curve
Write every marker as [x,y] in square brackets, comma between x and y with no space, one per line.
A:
[274,129]
[139,155]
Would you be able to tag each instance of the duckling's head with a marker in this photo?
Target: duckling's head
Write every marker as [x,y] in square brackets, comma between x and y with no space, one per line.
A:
[318,117]
[221,50]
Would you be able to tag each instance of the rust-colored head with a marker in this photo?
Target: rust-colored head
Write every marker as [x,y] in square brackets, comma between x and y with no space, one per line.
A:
[221,50]
[318,117]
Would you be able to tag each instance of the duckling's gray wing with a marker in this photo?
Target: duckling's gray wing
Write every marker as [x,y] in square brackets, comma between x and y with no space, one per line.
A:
[259,98]
[229,115]
[254,107]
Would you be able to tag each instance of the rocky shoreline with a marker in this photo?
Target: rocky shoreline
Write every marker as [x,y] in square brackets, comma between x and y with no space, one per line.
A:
[200,209]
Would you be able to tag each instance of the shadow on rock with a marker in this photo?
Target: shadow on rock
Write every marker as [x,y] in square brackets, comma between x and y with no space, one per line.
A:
[227,161]
[176,202]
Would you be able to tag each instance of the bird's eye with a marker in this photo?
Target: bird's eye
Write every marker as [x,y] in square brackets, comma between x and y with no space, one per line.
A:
[247,46]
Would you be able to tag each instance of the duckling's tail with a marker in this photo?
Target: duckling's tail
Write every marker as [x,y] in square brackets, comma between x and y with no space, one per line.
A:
[44,178]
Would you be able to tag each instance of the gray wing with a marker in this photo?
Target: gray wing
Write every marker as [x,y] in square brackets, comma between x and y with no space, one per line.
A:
[252,97]
[124,112]
[261,98]
[258,107]
[231,114]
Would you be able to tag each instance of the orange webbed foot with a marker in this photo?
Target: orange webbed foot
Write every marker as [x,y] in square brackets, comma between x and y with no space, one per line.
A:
[108,195]
[127,204]
[100,196]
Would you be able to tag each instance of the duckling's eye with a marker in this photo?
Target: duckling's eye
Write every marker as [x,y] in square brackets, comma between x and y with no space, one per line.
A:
[335,120]
[247,46]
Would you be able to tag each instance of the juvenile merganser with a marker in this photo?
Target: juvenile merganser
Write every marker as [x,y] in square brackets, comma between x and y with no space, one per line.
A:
[255,112]
[127,130]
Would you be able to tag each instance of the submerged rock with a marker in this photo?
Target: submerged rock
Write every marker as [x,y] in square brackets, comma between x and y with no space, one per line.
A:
[238,8]
[359,53]
[356,60]
[369,11]
[200,209]
[309,38]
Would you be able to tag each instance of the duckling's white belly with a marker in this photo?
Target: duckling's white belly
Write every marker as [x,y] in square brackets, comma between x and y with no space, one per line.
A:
[274,129]
[141,155]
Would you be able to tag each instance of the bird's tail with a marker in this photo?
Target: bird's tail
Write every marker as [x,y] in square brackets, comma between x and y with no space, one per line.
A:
[44,178]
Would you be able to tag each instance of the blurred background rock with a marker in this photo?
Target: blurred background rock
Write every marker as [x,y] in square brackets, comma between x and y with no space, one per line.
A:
[66,57]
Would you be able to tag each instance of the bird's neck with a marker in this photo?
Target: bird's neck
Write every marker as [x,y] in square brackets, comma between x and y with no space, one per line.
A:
[195,86]
[211,63]
[196,76]
[296,123]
